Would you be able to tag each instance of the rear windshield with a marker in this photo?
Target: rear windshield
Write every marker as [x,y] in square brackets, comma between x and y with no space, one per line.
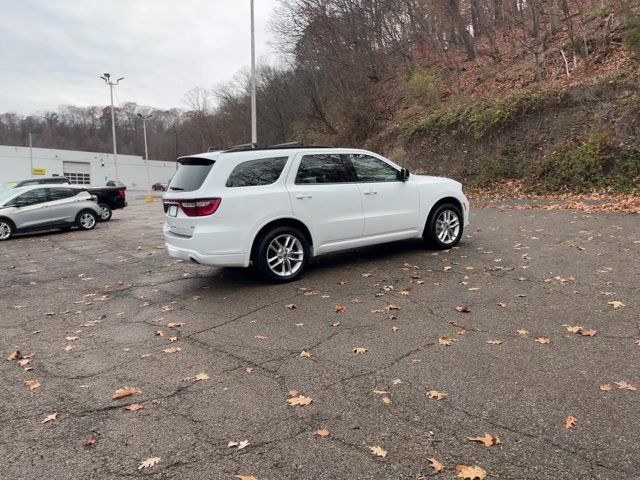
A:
[191,174]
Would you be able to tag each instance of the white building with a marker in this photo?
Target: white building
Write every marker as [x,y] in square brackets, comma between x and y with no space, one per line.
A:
[81,167]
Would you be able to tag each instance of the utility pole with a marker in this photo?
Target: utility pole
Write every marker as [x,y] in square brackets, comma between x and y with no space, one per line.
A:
[107,79]
[254,121]
[146,150]
[30,155]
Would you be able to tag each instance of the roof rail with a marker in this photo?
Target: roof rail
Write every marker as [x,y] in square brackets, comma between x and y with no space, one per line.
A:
[280,146]
[243,147]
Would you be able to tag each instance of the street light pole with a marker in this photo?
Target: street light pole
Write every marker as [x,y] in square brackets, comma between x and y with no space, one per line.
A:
[146,150]
[254,121]
[107,79]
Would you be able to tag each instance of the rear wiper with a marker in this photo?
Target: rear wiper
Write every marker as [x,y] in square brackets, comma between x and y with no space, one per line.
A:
[176,188]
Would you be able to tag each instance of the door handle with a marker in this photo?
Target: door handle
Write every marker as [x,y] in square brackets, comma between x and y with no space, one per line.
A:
[303,196]
[370,192]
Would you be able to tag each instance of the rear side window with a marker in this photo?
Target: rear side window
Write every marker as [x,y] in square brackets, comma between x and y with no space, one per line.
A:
[61,193]
[257,172]
[322,169]
[191,174]
[32,197]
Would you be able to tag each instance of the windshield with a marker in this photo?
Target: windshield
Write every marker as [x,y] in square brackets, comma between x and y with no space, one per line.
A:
[5,194]
[191,174]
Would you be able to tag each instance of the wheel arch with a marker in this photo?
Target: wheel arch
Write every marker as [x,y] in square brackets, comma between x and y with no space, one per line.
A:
[9,221]
[442,201]
[281,222]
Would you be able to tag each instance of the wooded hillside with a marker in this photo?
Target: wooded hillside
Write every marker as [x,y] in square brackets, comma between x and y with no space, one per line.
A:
[540,90]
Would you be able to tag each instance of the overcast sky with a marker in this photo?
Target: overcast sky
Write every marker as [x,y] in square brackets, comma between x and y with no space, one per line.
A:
[52,51]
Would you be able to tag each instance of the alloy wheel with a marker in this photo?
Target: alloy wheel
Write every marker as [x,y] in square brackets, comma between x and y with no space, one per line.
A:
[5,230]
[447,227]
[285,255]
[87,221]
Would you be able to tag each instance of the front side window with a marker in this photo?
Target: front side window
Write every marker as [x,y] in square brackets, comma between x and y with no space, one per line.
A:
[371,169]
[322,169]
[257,172]
[32,197]
[61,193]
[191,174]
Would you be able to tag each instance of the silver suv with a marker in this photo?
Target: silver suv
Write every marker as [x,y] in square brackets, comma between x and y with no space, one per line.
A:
[45,207]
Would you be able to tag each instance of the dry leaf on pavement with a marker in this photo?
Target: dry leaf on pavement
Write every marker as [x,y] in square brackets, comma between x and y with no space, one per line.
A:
[616,304]
[360,350]
[291,306]
[14,356]
[125,392]
[321,432]
[446,341]
[606,387]
[300,400]
[149,462]
[543,341]
[486,439]
[471,473]
[463,309]
[175,324]
[622,385]
[134,407]
[172,350]
[570,422]
[340,308]
[202,376]
[51,417]
[435,464]
[304,354]
[261,337]
[494,342]
[378,451]
[32,384]
[245,477]
[436,394]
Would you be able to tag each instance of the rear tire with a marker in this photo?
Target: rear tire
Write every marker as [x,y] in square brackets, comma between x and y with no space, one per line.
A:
[86,220]
[444,227]
[282,254]
[106,213]
[6,230]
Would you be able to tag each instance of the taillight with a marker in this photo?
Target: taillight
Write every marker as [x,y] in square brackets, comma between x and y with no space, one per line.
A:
[200,207]
[122,194]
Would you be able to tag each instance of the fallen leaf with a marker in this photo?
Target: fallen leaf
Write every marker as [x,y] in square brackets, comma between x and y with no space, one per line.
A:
[134,407]
[378,451]
[397,381]
[606,387]
[248,370]
[17,356]
[172,350]
[386,400]
[321,432]
[300,400]
[616,304]
[522,332]
[291,306]
[149,462]
[405,293]
[365,275]
[304,354]
[436,394]
[570,422]
[125,392]
[622,385]
[71,339]
[90,442]
[575,329]
[471,473]
[68,348]
[494,342]
[245,477]
[486,439]
[202,376]
[340,308]
[173,339]
[175,324]
[261,337]
[159,333]
[342,282]
[503,305]
[446,341]
[464,309]
[32,384]
[435,464]
[360,350]
[543,341]
[395,328]
[588,333]
[447,268]
[50,418]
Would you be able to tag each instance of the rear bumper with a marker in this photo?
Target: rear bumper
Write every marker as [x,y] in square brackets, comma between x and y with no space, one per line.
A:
[233,260]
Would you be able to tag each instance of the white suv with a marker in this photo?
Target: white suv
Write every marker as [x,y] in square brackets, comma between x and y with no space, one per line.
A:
[279,206]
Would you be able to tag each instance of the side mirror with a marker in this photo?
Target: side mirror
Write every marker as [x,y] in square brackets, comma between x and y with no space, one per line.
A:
[404,174]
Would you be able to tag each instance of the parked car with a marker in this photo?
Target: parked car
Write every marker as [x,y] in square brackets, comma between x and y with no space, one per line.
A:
[45,207]
[109,198]
[277,207]
[159,187]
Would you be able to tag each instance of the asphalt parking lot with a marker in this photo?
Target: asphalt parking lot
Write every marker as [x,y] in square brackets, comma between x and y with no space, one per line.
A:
[515,331]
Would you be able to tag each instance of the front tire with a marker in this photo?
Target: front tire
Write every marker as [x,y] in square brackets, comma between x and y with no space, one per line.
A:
[105,213]
[86,220]
[444,227]
[282,254]
[6,230]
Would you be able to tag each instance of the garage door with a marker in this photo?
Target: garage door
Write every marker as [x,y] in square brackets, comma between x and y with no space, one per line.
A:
[77,172]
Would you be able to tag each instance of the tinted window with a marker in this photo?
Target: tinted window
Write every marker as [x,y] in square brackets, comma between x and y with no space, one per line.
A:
[61,193]
[257,172]
[32,197]
[191,174]
[371,169]
[322,169]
